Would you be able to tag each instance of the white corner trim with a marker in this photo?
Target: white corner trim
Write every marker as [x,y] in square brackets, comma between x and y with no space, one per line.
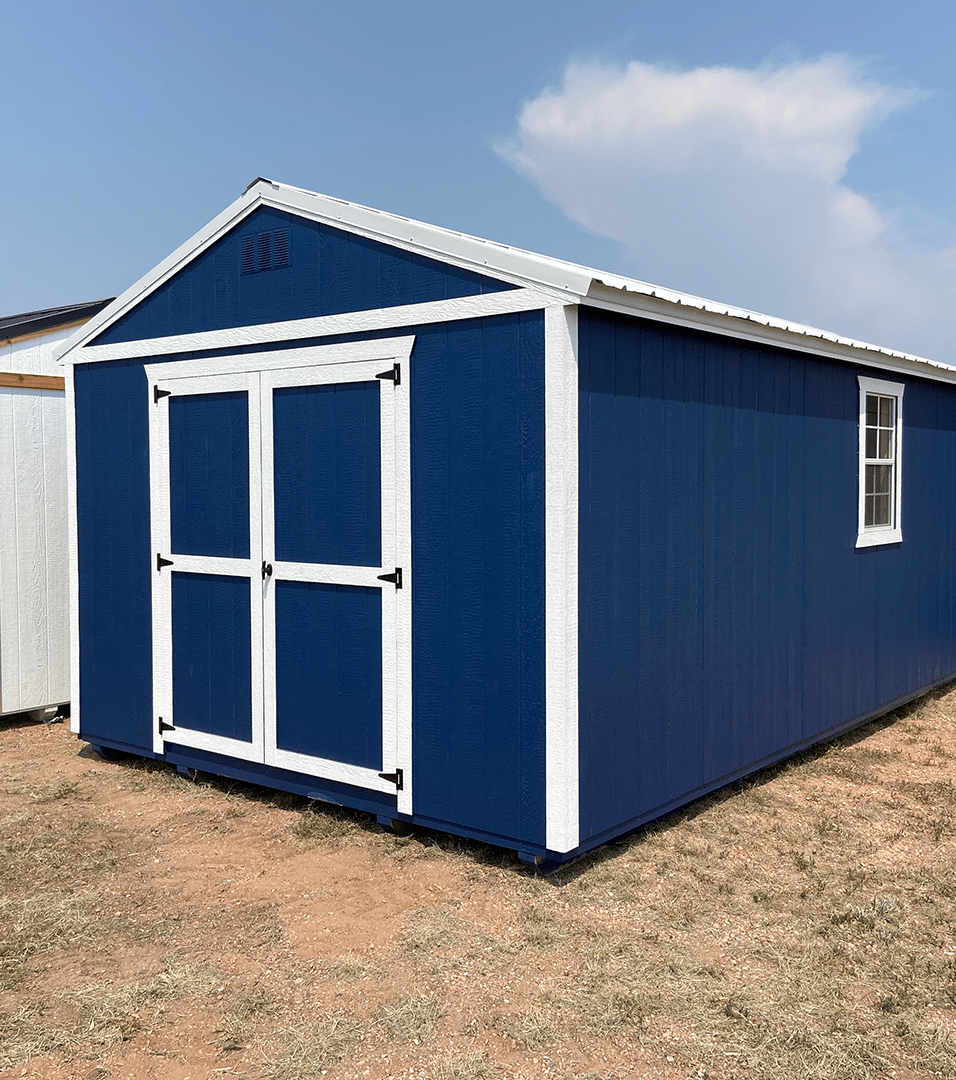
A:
[353,322]
[561,577]
[73,554]
[874,537]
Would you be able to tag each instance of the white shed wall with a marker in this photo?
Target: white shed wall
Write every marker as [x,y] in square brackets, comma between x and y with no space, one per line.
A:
[34,356]
[34,599]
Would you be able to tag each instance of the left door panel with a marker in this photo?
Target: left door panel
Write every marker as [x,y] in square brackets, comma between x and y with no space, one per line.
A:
[206,481]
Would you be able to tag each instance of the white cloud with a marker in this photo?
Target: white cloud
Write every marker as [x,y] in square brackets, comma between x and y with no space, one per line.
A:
[729,183]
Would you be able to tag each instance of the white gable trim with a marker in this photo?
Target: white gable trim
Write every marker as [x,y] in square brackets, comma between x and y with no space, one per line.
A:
[350,322]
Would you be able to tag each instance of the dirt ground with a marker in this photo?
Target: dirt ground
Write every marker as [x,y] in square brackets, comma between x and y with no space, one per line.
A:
[798,925]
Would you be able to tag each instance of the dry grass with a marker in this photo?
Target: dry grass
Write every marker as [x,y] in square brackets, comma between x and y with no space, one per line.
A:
[799,925]
[323,823]
[413,1019]
[96,1015]
[473,1066]
[310,1048]
[349,968]
[533,1029]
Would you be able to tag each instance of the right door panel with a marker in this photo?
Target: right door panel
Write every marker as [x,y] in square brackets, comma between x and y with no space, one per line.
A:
[329,522]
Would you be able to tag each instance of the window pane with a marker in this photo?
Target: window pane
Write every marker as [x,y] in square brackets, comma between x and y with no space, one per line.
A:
[871,442]
[871,409]
[886,412]
[881,514]
[868,503]
[886,444]
[878,479]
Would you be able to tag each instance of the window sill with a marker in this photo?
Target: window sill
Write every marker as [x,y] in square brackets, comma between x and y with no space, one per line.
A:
[878,537]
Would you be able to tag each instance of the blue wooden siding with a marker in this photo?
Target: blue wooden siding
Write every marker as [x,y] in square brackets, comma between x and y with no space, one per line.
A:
[330,271]
[477,430]
[726,614]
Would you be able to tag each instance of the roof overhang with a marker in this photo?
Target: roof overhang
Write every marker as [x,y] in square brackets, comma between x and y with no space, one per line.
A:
[557,280]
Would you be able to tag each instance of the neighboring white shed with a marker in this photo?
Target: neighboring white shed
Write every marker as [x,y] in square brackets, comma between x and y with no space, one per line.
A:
[34,597]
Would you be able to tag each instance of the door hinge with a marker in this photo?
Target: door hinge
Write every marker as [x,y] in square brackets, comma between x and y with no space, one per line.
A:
[394,373]
[395,778]
[163,726]
[157,394]
[395,579]
[266,569]
[161,562]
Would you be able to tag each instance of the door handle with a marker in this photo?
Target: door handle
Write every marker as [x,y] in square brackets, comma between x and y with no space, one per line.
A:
[266,569]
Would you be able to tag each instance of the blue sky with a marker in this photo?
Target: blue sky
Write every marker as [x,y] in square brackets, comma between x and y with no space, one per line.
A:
[793,158]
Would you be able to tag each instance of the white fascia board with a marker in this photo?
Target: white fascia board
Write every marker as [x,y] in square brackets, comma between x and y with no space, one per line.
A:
[678,309]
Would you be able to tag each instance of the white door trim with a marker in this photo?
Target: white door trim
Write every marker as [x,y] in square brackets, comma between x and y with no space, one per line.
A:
[260,373]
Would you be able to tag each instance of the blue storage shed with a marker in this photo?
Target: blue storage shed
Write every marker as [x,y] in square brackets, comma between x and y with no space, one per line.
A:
[468,537]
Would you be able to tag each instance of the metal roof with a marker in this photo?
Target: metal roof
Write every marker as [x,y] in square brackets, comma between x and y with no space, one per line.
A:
[560,279]
[35,322]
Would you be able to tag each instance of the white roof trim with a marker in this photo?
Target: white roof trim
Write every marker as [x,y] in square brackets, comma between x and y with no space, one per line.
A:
[562,280]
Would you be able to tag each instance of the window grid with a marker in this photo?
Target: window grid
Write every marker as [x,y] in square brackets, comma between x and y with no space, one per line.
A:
[880,461]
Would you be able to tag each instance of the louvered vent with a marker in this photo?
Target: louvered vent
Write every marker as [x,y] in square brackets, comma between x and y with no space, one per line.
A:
[247,261]
[280,248]
[264,251]
[267,251]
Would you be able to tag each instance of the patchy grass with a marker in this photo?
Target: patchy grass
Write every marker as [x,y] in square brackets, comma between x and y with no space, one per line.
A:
[473,1066]
[797,925]
[413,1019]
[309,1048]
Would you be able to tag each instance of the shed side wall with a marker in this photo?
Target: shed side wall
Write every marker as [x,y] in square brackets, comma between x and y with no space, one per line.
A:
[726,614]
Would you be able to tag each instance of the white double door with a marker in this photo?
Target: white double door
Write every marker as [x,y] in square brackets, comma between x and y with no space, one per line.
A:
[281,562]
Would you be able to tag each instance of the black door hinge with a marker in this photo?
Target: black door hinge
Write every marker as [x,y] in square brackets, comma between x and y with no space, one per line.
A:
[395,579]
[394,373]
[161,562]
[157,394]
[163,726]
[395,778]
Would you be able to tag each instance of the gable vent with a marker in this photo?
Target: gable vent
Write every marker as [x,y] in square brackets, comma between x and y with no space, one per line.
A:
[280,248]
[247,260]
[265,251]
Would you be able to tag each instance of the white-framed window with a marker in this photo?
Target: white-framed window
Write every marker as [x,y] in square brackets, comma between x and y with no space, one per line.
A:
[881,456]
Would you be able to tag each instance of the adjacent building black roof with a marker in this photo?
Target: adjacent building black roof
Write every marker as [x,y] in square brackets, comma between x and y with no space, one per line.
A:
[34,322]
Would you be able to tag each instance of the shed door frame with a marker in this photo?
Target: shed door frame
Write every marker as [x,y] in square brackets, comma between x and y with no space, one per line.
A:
[258,374]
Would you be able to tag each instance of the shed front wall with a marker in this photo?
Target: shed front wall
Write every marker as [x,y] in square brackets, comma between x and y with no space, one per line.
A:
[477,451]
[726,616]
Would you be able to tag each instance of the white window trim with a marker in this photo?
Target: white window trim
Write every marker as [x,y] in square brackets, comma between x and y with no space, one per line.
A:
[873,535]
